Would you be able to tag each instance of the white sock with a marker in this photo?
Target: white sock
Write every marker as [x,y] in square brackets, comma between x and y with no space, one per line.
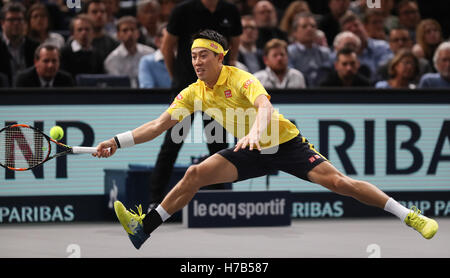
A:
[396,208]
[163,213]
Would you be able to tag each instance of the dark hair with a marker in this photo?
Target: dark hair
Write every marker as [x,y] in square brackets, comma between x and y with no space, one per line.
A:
[88,3]
[403,53]
[344,51]
[12,7]
[211,35]
[82,17]
[47,46]
[126,19]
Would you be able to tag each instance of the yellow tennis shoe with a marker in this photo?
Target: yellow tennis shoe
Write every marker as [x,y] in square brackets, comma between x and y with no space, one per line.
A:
[427,227]
[132,223]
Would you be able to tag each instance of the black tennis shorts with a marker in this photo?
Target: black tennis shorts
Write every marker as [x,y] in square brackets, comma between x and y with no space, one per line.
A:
[296,157]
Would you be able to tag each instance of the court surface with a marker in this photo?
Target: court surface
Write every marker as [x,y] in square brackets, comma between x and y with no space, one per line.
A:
[327,238]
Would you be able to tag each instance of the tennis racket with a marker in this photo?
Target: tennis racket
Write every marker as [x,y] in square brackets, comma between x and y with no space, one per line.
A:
[23,147]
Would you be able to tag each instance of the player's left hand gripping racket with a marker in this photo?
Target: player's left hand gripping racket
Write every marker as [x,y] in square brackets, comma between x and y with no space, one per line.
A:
[23,147]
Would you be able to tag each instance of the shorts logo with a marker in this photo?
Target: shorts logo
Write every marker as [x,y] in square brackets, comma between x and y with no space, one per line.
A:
[228,93]
[179,97]
[313,158]
[247,83]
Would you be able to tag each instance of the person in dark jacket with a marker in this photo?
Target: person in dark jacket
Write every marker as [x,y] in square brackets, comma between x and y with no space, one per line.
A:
[45,73]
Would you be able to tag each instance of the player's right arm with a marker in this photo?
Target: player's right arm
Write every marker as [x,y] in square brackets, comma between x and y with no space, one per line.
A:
[141,134]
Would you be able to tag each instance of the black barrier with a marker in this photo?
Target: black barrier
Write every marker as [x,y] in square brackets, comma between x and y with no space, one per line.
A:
[396,139]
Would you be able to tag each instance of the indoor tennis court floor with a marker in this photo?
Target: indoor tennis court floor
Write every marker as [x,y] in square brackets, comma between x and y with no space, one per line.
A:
[326,238]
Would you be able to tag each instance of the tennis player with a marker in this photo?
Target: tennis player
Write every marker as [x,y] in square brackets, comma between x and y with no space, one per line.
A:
[268,142]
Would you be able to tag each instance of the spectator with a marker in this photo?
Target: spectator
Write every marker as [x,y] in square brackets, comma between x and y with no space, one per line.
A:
[152,70]
[399,39]
[390,20]
[374,24]
[190,17]
[409,16]
[296,7]
[104,43]
[166,8]
[45,73]
[345,73]
[79,56]
[124,60]
[148,14]
[112,8]
[278,74]
[373,52]
[428,38]
[38,26]
[403,69]
[304,54]
[267,22]
[441,60]
[16,50]
[330,22]
[249,55]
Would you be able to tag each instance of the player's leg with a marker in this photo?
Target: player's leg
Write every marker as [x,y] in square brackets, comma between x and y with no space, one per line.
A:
[215,169]
[328,176]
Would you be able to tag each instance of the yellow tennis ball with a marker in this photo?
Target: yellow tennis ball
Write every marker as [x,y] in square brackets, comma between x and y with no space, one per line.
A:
[57,132]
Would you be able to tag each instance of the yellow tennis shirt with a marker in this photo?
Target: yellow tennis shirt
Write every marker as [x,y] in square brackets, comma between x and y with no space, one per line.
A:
[231,104]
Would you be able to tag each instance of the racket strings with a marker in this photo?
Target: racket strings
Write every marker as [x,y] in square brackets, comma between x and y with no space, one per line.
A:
[22,147]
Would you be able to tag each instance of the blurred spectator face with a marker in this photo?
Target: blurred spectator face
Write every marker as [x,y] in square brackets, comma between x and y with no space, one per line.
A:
[111,7]
[321,39]
[277,59]
[39,20]
[405,68]
[432,34]
[265,15]
[83,32]
[48,63]
[148,15]
[249,31]
[347,66]
[443,63]
[357,28]
[97,11]
[306,32]
[338,7]
[399,39]
[409,16]
[350,42]
[375,27]
[13,25]
[128,34]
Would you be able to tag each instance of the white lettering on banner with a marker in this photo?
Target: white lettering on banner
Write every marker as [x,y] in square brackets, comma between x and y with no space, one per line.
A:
[317,209]
[422,205]
[243,209]
[36,214]
[442,208]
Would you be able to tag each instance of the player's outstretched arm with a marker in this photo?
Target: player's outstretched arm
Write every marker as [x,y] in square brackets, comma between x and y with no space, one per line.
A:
[141,134]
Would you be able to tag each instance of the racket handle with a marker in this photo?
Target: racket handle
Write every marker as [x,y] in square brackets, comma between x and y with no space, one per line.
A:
[84,149]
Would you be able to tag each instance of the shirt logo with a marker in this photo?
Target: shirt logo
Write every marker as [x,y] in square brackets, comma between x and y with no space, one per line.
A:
[313,158]
[179,97]
[247,83]
[228,93]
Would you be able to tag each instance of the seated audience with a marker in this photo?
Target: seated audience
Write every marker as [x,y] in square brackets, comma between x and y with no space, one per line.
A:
[152,68]
[296,7]
[345,73]
[374,23]
[45,73]
[266,20]
[39,26]
[79,56]
[403,69]
[409,16]
[399,39]
[304,54]
[148,16]
[330,22]
[16,50]
[373,52]
[124,60]
[428,38]
[249,55]
[278,74]
[441,60]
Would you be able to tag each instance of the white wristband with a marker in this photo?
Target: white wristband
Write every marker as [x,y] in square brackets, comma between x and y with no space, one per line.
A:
[124,140]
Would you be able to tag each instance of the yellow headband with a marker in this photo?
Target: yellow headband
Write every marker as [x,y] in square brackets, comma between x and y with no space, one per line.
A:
[209,44]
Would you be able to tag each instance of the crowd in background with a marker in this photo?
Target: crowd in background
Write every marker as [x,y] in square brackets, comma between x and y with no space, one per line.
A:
[285,44]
